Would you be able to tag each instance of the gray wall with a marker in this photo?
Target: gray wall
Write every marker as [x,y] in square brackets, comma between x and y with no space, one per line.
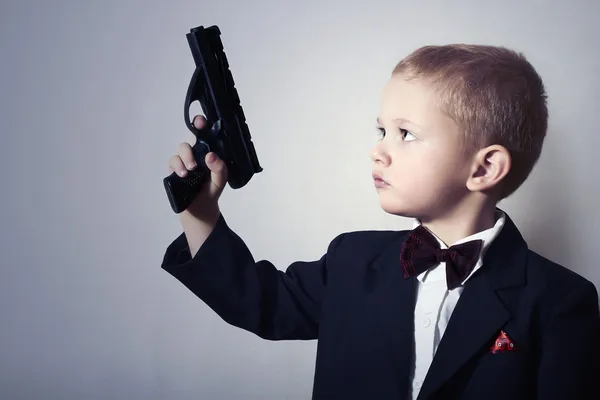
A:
[91,110]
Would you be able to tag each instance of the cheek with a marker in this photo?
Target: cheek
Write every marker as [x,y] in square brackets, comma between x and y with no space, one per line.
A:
[426,170]
[443,168]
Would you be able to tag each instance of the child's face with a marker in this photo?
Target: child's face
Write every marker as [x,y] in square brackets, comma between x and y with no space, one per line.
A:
[419,153]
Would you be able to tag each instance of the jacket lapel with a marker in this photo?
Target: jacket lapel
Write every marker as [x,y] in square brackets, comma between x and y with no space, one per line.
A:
[479,314]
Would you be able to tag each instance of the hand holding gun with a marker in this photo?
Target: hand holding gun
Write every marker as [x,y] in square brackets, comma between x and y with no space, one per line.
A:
[224,131]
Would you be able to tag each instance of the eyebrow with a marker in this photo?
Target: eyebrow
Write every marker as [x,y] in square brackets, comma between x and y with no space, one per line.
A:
[399,120]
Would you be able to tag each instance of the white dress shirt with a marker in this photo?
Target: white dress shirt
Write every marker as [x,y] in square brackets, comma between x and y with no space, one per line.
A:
[435,304]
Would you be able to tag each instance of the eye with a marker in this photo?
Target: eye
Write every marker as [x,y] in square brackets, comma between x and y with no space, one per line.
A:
[407,136]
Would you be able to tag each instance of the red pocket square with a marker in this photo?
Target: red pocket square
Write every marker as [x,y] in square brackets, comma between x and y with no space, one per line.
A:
[502,343]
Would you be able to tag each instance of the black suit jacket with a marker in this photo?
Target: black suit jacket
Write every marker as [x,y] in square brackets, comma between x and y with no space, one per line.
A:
[358,305]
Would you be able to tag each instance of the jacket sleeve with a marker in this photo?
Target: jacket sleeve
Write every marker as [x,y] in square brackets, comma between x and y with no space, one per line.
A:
[570,362]
[255,296]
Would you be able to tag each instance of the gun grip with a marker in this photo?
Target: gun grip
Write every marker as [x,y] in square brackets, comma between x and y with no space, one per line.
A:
[181,191]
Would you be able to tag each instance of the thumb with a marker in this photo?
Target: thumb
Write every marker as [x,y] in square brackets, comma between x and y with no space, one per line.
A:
[218,170]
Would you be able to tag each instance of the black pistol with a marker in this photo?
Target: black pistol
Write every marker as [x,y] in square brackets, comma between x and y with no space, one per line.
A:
[226,134]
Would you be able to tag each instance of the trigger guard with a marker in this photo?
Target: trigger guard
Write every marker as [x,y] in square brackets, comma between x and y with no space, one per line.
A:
[192,95]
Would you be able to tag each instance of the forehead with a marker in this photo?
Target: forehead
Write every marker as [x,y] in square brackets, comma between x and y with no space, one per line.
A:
[407,95]
[413,100]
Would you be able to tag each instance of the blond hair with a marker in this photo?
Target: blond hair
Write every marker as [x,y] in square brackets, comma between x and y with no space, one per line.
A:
[493,94]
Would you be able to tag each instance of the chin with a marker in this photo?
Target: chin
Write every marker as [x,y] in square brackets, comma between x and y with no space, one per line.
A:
[415,203]
[397,207]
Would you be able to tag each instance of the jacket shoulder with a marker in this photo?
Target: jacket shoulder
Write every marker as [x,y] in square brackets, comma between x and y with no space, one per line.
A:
[548,273]
[556,283]
[366,242]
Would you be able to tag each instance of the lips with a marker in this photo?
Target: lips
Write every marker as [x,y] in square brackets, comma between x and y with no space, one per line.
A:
[379,179]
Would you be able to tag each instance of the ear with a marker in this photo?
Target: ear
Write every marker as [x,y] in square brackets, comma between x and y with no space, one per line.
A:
[490,166]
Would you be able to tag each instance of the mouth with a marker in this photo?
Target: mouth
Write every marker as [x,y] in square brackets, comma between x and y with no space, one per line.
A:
[379,181]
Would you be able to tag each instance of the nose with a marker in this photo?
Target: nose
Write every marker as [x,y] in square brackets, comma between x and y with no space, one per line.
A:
[379,155]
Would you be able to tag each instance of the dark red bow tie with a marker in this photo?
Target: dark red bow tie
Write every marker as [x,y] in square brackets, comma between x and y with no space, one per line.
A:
[420,251]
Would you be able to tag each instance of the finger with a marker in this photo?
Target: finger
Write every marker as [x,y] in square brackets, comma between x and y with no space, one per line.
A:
[199,122]
[176,165]
[218,170]
[187,155]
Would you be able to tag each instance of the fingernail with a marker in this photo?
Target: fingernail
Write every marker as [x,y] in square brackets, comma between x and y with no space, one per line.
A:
[212,158]
[192,165]
[182,172]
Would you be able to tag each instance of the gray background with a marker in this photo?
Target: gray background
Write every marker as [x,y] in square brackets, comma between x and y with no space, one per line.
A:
[92,108]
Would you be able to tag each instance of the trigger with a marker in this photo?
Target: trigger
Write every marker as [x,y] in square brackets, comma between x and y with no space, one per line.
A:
[215,129]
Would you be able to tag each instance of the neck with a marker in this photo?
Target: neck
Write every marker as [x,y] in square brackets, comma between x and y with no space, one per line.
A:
[461,222]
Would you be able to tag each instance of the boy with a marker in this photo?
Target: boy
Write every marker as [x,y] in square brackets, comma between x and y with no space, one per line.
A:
[458,307]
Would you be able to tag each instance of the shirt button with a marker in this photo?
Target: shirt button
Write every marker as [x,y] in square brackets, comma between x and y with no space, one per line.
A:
[418,383]
[426,322]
